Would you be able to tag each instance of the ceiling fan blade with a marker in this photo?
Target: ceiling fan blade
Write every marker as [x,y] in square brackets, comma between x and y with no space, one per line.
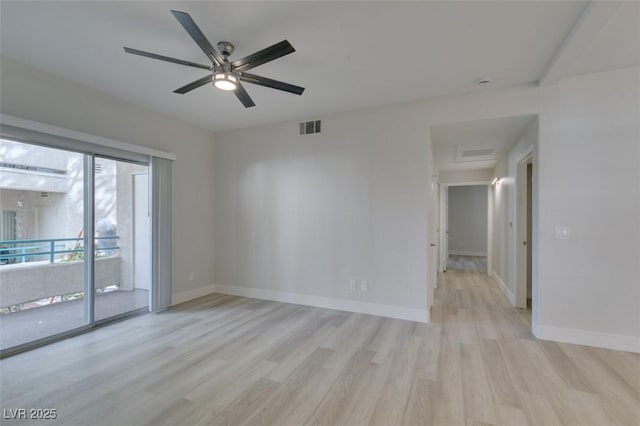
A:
[244,96]
[165,58]
[262,56]
[194,85]
[189,24]
[274,84]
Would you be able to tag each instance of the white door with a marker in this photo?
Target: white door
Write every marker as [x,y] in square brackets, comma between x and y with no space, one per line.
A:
[142,232]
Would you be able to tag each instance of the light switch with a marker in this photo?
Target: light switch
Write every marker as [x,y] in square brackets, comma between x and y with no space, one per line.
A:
[561,233]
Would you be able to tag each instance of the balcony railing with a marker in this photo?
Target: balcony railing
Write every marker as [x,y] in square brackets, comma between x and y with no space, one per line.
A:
[18,251]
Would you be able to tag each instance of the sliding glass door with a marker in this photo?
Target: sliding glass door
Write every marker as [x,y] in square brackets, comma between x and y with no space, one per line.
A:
[122,226]
[42,262]
[74,242]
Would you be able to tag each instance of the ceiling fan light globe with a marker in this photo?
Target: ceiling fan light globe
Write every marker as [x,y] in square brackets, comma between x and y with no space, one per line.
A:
[225,81]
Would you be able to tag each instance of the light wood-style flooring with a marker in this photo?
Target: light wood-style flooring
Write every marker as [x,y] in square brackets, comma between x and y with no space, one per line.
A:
[472,263]
[226,360]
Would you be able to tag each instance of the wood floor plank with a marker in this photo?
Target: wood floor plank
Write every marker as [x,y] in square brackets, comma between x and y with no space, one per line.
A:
[395,393]
[420,404]
[358,410]
[226,360]
[254,398]
[565,367]
[332,407]
[502,387]
[478,398]
[429,353]
[449,405]
[508,416]
[539,410]
[285,396]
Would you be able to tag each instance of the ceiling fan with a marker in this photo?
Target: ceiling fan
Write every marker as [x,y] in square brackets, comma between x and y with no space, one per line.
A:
[227,75]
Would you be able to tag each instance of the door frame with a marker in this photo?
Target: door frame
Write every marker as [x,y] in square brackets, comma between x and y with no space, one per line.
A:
[433,257]
[443,236]
[134,259]
[444,216]
[520,234]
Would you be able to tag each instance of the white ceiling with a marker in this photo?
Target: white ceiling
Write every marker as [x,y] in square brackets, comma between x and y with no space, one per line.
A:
[616,45]
[349,55]
[499,134]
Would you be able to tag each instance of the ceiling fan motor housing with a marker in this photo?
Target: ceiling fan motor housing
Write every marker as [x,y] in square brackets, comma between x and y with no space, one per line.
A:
[225,48]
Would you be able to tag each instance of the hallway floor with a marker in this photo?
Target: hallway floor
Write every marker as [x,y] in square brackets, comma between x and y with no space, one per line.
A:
[226,360]
[471,263]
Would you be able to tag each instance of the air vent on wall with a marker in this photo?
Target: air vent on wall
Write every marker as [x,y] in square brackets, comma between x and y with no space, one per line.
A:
[44,194]
[310,127]
[97,167]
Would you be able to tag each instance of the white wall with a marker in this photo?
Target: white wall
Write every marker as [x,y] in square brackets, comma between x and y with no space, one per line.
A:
[468,220]
[304,215]
[504,208]
[465,176]
[586,176]
[588,151]
[36,95]
[589,180]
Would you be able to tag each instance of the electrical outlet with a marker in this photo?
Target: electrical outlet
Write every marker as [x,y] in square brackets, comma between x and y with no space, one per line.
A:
[352,285]
[364,286]
[561,233]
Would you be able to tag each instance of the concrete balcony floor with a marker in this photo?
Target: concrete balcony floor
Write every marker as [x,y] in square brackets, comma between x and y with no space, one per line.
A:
[25,326]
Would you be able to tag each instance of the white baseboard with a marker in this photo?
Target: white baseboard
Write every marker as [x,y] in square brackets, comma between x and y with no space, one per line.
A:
[390,311]
[185,296]
[588,338]
[467,253]
[507,292]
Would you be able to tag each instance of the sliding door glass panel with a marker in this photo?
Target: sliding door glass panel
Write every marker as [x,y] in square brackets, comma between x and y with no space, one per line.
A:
[122,237]
[41,242]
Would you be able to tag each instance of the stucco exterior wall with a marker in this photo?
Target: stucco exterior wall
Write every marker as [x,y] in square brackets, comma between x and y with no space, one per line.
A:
[27,282]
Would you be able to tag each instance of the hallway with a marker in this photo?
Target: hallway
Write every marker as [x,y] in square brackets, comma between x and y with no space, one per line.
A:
[233,360]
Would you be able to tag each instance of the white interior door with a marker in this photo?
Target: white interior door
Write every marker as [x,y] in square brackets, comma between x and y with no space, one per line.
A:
[142,232]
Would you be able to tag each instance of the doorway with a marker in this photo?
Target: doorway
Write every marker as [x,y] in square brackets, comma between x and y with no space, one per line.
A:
[464,219]
[524,231]
[122,287]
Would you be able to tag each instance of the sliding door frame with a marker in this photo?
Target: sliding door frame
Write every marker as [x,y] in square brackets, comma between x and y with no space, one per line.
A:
[89,241]
[34,133]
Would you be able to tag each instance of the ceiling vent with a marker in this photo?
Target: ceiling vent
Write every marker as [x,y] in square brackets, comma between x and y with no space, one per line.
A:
[310,127]
[463,154]
[476,152]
